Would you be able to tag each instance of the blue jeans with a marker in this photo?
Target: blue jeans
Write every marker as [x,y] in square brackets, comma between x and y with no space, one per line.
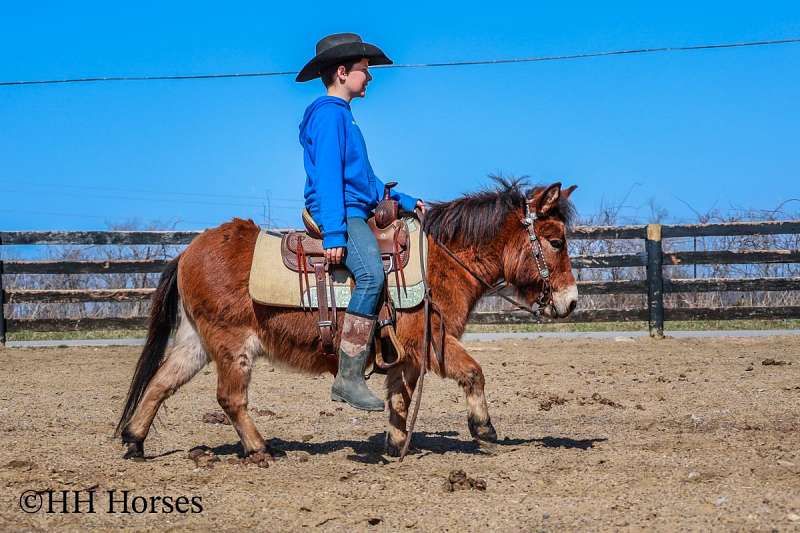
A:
[363,259]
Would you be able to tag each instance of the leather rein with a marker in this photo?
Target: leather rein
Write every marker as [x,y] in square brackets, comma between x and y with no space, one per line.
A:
[429,308]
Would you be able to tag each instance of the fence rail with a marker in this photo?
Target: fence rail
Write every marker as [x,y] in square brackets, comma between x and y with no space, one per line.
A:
[654,259]
[85,267]
[97,237]
[641,315]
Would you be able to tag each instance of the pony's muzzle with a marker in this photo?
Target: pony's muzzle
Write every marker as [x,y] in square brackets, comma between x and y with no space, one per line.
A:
[564,302]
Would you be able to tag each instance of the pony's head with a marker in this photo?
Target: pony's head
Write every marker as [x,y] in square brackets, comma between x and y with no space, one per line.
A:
[554,214]
[493,220]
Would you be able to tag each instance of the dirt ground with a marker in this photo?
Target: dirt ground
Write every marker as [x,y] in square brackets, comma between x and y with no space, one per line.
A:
[689,434]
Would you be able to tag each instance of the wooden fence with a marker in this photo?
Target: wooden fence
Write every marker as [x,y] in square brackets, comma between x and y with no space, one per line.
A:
[653,259]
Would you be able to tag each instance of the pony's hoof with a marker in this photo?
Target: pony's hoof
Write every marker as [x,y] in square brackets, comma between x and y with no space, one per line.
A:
[135,451]
[483,432]
[265,453]
[393,450]
[259,458]
[390,448]
[274,453]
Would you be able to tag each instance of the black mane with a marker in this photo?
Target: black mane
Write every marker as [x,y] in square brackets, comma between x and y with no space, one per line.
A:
[476,218]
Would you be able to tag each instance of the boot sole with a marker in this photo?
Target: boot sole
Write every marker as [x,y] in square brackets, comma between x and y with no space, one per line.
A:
[338,398]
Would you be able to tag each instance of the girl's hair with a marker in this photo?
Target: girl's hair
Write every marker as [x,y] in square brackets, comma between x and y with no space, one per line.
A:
[328,73]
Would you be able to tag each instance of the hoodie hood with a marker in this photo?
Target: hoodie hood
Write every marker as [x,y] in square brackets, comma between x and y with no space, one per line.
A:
[316,104]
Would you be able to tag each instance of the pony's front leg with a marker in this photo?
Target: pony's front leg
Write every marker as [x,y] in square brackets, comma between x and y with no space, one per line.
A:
[460,366]
[400,383]
[234,368]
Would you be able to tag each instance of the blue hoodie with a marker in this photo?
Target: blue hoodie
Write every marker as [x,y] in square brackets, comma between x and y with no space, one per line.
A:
[340,182]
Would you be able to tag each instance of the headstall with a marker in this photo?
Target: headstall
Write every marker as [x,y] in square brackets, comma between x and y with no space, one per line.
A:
[546,296]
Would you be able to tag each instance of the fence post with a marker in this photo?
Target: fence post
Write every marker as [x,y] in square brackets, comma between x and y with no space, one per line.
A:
[655,281]
[2,300]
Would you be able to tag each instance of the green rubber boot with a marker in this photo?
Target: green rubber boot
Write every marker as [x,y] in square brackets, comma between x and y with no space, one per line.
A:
[349,385]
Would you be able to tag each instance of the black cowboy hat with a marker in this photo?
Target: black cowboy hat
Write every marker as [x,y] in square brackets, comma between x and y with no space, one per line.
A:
[338,48]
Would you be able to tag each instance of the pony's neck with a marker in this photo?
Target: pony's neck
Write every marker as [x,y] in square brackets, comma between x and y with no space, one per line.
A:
[454,289]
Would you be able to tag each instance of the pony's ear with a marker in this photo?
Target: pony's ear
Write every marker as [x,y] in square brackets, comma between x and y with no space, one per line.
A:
[548,200]
[569,190]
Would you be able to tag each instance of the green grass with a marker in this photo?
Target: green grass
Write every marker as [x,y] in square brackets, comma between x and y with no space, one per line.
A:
[683,325]
[699,325]
[69,335]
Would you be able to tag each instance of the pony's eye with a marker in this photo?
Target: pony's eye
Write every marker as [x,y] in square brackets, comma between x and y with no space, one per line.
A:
[557,243]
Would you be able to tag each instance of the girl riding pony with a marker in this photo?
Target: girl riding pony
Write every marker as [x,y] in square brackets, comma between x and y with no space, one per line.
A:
[341,191]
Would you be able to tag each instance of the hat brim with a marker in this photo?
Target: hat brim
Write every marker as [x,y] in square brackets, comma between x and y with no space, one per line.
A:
[342,53]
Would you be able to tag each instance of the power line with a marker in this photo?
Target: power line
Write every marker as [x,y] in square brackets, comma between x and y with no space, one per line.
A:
[137,198]
[560,57]
[129,190]
[295,207]
[601,54]
[87,216]
[155,193]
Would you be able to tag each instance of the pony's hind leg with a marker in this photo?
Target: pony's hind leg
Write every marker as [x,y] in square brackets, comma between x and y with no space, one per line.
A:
[183,359]
[234,356]
[460,366]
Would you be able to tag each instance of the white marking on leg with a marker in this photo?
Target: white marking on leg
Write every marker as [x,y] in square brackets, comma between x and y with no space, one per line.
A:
[186,356]
[476,406]
[252,348]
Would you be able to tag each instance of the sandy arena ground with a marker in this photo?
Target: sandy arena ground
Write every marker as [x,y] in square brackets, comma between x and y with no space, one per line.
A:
[689,434]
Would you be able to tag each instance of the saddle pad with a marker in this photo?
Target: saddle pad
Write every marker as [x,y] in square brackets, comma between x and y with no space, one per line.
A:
[272,283]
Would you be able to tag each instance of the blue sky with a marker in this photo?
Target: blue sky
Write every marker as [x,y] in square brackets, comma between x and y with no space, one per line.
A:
[712,129]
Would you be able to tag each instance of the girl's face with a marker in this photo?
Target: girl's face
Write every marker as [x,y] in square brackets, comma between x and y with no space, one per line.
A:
[357,79]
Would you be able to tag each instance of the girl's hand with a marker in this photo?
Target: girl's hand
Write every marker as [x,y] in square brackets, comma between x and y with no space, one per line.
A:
[334,255]
[421,205]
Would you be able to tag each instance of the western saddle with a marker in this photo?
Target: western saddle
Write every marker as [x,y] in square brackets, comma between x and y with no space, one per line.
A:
[302,252]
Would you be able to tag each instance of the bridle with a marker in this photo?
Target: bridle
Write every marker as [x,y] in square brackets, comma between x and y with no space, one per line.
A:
[546,296]
[429,308]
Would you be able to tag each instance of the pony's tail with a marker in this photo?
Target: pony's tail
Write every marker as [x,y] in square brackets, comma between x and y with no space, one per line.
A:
[163,319]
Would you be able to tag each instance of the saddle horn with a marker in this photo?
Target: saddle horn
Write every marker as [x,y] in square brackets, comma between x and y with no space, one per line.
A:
[388,210]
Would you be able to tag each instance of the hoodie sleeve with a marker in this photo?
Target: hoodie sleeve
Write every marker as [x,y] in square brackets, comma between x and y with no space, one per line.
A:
[407,203]
[328,137]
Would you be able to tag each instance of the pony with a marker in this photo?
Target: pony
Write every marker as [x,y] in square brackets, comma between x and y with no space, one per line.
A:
[202,303]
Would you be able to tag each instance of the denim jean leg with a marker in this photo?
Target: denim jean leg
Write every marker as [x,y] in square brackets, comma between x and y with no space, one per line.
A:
[363,259]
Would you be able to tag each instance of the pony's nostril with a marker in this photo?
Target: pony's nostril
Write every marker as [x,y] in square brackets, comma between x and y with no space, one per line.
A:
[572,305]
